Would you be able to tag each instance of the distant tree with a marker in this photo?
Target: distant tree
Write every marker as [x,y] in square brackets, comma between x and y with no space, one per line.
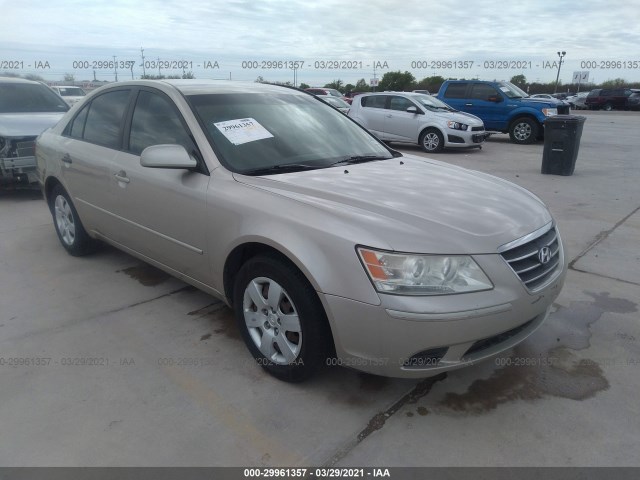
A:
[260,79]
[337,84]
[362,86]
[188,74]
[519,81]
[430,83]
[615,83]
[33,76]
[303,85]
[349,87]
[153,77]
[397,81]
[69,77]
[174,77]
[10,74]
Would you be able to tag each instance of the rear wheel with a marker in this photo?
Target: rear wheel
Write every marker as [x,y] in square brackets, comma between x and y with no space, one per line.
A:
[607,107]
[71,233]
[281,318]
[523,130]
[432,141]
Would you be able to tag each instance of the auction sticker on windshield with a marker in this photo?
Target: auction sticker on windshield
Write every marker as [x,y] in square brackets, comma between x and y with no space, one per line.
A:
[243,130]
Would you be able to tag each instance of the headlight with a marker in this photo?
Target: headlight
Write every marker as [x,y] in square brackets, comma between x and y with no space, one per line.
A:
[549,112]
[457,125]
[406,274]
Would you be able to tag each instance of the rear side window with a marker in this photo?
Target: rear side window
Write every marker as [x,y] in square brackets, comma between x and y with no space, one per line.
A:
[375,101]
[77,127]
[156,122]
[105,118]
[456,90]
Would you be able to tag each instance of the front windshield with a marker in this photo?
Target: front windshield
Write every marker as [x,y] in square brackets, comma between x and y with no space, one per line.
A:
[511,91]
[71,91]
[431,103]
[257,131]
[29,98]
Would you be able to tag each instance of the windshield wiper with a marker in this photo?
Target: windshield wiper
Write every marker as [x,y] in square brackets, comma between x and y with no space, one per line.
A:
[358,159]
[284,168]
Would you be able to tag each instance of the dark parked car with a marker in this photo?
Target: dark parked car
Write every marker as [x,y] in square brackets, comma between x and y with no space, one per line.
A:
[608,99]
[633,100]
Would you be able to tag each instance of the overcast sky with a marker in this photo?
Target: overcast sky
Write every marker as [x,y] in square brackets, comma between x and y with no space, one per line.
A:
[396,32]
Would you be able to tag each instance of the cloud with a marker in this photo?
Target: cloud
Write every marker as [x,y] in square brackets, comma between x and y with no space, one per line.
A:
[396,31]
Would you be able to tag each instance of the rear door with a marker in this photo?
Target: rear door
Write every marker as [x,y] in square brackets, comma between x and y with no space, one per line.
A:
[455,95]
[373,113]
[89,145]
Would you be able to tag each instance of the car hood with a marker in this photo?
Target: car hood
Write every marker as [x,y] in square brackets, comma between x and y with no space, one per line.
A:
[548,101]
[27,124]
[461,117]
[414,204]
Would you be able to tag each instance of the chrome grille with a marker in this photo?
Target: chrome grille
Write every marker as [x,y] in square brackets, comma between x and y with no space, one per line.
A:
[25,149]
[525,262]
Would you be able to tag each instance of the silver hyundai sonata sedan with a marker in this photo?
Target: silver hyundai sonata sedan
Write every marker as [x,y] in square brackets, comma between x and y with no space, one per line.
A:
[330,247]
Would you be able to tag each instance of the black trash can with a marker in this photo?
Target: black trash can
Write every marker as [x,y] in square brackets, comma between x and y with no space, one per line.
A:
[562,135]
[563,109]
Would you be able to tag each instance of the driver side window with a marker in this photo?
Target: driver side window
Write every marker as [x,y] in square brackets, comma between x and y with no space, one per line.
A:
[400,103]
[481,91]
[156,122]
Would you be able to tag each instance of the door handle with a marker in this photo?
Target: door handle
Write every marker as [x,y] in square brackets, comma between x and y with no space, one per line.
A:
[66,158]
[121,176]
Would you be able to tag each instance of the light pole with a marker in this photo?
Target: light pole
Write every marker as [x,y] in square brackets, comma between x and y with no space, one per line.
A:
[561,55]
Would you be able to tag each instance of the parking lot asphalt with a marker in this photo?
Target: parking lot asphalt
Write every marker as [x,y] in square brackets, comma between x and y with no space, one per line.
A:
[106,361]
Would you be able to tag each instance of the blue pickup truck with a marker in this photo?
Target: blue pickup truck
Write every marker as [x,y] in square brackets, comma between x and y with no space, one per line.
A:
[502,106]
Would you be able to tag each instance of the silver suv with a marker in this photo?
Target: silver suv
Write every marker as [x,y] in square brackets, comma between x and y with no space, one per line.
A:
[417,118]
[323,240]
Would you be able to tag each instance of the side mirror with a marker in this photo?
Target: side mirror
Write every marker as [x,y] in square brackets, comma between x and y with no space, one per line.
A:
[166,156]
[494,98]
[413,110]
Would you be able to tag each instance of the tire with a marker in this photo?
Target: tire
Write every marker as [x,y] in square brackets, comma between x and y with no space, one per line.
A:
[281,319]
[607,107]
[71,233]
[523,130]
[431,141]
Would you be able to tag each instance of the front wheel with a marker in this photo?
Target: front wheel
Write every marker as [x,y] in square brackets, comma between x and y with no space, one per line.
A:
[432,141]
[607,107]
[281,318]
[71,233]
[523,131]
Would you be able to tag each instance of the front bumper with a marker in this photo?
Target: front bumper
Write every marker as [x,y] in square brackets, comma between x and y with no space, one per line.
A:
[415,337]
[462,139]
[18,161]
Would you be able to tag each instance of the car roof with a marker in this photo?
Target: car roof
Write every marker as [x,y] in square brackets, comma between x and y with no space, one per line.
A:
[408,94]
[205,86]
[18,80]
